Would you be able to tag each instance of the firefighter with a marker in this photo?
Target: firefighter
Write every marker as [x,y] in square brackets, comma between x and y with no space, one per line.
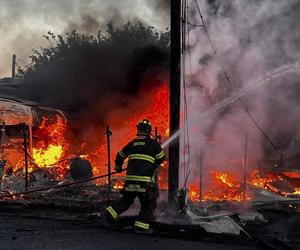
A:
[144,156]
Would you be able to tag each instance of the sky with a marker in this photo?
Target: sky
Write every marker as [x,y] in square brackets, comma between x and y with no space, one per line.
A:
[24,22]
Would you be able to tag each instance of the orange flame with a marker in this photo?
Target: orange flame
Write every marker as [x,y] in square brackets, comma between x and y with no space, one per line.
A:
[158,113]
[297,191]
[224,186]
[47,157]
[118,184]
[223,178]
[52,145]
[257,180]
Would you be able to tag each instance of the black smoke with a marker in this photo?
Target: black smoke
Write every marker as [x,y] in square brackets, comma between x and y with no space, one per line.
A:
[89,77]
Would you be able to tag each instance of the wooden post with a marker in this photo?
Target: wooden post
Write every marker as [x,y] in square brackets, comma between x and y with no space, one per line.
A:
[30,138]
[173,175]
[13,66]
[2,136]
[25,155]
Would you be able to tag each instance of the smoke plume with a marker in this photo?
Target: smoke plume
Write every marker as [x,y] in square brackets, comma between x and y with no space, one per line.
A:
[99,82]
[251,38]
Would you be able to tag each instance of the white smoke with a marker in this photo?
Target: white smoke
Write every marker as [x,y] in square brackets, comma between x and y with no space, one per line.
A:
[251,38]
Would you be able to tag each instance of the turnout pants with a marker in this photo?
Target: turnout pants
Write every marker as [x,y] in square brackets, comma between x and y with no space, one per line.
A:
[148,202]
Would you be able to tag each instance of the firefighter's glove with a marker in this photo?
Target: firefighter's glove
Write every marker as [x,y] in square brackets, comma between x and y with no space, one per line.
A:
[118,169]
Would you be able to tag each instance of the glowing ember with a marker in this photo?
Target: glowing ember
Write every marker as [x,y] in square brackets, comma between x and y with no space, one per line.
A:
[257,180]
[118,184]
[223,178]
[297,191]
[226,187]
[222,187]
[194,192]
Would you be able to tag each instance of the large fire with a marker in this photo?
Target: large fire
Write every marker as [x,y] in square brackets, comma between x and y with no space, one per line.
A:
[51,148]
[157,111]
[52,144]
[222,187]
[47,157]
[228,187]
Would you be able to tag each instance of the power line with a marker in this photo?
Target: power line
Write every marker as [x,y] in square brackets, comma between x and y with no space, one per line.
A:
[204,26]
[191,24]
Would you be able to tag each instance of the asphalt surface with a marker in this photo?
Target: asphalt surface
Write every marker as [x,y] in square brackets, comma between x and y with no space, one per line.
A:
[17,232]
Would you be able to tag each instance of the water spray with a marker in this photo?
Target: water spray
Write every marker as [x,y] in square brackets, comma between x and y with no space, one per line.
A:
[267,78]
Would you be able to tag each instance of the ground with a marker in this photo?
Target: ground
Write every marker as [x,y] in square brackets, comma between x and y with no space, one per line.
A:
[18,232]
[73,224]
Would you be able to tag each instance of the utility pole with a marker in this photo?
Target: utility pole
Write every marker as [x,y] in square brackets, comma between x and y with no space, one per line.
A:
[174,97]
[13,66]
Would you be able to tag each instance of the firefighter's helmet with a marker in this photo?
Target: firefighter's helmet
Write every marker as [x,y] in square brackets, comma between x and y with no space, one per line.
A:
[144,125]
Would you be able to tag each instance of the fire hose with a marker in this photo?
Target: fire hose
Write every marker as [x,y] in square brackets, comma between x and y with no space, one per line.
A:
[61,185]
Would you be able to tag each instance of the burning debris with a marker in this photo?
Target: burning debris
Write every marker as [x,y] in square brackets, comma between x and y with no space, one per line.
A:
[229,187]
[50,155]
